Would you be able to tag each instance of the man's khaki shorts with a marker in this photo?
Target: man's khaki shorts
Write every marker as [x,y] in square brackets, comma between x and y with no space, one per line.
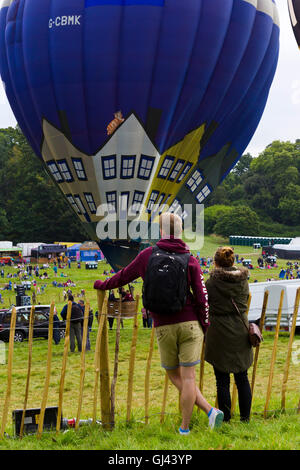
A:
[180,344]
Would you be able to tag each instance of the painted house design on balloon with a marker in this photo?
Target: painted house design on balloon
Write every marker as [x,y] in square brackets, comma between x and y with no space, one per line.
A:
[126,173]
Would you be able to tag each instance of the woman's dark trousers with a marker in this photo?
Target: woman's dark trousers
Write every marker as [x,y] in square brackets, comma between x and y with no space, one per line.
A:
[244,394]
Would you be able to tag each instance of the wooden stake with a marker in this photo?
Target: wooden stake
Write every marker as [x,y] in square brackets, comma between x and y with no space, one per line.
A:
[48,372]
[101,319]
[131,366]
[82,369]
[104,368]
[202,363]
[9,370]
[163,408]
[64,366]
[290,345]
[257,349]
[147,378]
[30,338]
[234,389]
[269,389]
[115,376]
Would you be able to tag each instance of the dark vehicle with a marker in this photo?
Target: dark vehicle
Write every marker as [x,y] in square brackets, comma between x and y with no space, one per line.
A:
[40,327]
[272,260]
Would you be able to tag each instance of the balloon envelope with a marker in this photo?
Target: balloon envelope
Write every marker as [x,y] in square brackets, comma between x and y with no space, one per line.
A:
[137,102]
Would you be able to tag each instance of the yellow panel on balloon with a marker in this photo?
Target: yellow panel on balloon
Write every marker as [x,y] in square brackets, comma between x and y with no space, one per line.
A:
[175,165]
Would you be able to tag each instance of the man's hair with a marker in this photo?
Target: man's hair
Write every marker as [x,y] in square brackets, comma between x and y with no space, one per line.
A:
[70,297]
[170,224]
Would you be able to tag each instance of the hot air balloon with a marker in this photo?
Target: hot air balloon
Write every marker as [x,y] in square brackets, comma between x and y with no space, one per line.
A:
[294,10]
[137,103]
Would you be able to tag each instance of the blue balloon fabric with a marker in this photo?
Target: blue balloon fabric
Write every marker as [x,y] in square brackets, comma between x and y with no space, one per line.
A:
[132,102]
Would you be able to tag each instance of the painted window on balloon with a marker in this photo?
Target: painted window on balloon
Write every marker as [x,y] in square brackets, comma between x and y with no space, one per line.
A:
[127,167]
[79,169]
[160,199]
[203,193]
[176,170]
[109,167]
[73,203]
[165,167]
[152,200]
[90,202]
[184,172]
[175,206]
[124,202]
[79,204]
[65,170]
[145,167]
[137,201]
[194,180]
[111,199]
[55,171]
[165,204]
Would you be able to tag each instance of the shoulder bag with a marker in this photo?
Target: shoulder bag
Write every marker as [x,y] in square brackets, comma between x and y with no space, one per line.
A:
[254,333]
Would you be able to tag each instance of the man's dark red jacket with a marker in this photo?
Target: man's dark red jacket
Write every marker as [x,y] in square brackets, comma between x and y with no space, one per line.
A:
[196,307]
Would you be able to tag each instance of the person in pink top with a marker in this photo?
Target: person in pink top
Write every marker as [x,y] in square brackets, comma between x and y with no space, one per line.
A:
[180,335]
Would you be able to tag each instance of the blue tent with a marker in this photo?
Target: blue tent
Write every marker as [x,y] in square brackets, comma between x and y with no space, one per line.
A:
[73,250]
[89,251]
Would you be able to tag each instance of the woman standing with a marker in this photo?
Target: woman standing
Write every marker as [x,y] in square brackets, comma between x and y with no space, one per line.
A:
[227,347]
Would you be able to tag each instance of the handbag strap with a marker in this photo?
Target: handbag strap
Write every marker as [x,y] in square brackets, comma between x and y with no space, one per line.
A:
[242,318]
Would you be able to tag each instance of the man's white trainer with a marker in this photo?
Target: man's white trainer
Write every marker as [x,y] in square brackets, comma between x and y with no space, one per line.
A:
[215,418]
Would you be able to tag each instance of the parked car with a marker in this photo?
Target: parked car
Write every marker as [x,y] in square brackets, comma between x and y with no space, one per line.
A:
[248,263]
[40,326]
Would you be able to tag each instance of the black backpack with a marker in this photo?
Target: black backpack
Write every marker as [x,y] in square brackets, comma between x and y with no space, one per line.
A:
[165,284]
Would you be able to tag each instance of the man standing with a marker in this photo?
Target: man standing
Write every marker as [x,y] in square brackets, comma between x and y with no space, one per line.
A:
[75,323]
[180,333]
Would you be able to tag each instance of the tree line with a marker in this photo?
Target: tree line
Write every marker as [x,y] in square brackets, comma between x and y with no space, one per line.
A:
[32,208]
[261,196]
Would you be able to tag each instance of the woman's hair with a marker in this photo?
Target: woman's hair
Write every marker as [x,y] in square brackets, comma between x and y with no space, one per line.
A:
[224,257]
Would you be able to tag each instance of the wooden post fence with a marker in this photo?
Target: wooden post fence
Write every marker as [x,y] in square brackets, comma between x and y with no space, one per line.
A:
[64,366]
[48,371]
[102,307]
[147,377]
[202,363]
[131,366]
[115,376]
[165,394]
[105,399]
[257,349]
[269,389]
[9,370]
[101,363]
[290,345]
[82,368]
[30,338]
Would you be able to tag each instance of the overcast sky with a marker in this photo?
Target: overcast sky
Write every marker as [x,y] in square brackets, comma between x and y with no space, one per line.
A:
[281,119]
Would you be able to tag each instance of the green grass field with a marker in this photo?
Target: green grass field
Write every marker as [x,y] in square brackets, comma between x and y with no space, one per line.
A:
[279,431]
